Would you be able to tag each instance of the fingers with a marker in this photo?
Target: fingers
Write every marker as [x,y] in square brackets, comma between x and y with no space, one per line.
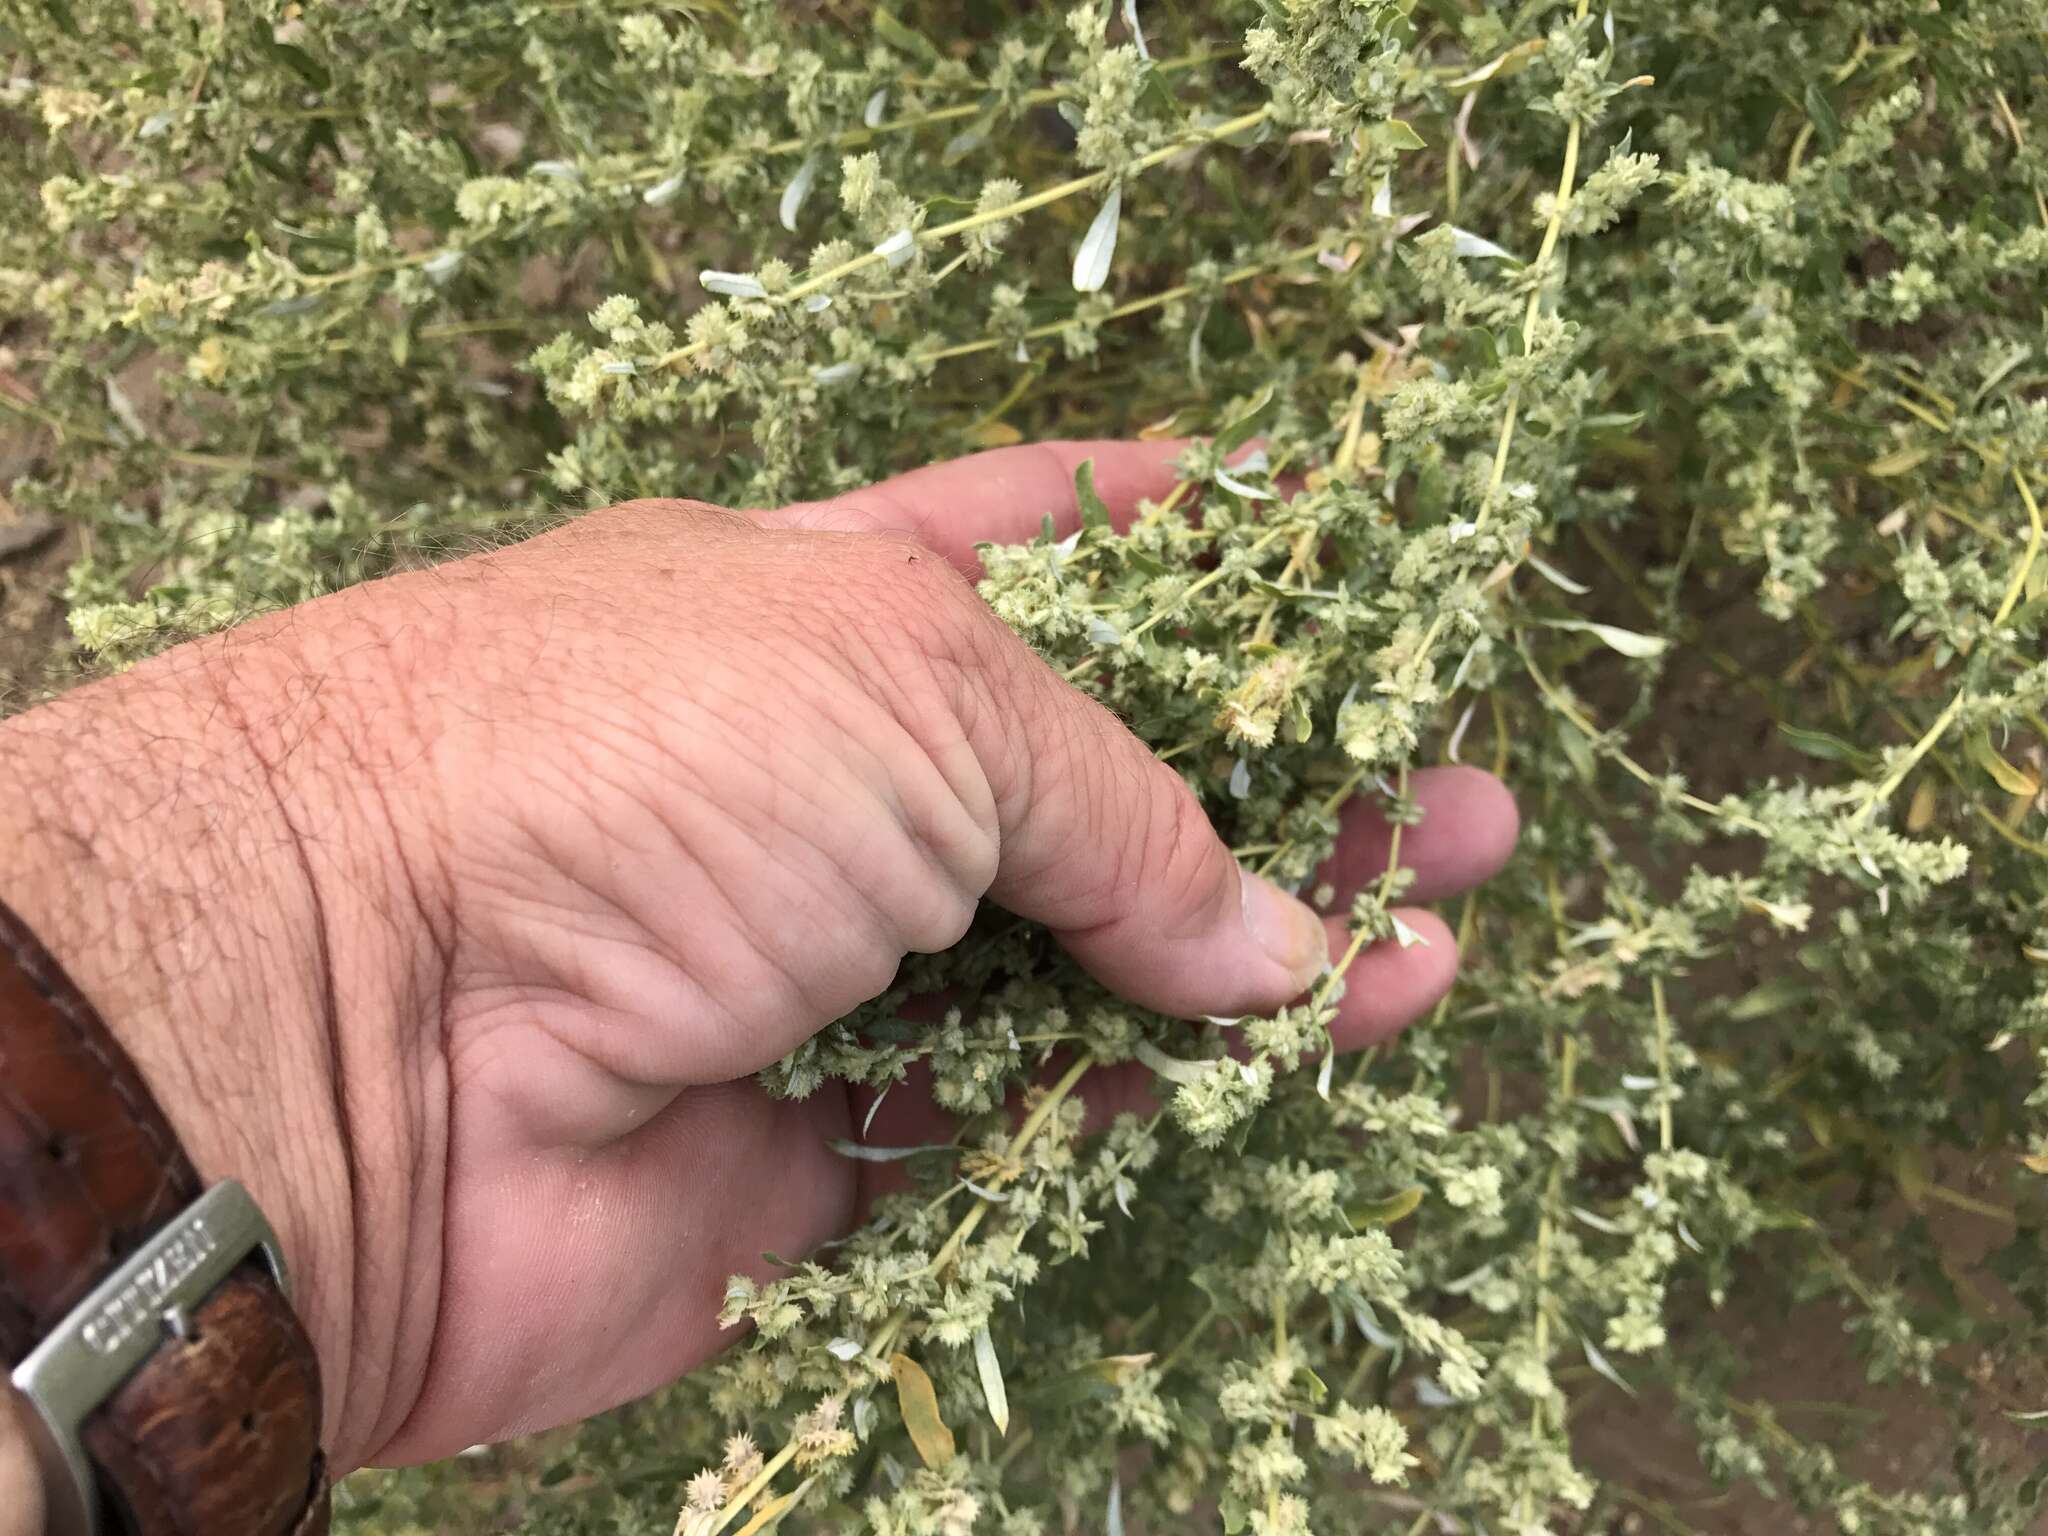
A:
[999,497]
[1106,846]
[1467,831]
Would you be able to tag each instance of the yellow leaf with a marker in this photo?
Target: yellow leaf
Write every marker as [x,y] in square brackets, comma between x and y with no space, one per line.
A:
[1114,1368]
[919,1405]
[2038,1163]
[771,1512]
[1384,1213]
[2014,781]
[1920,814]
[1909,1168]
[995,434]
[1899,460]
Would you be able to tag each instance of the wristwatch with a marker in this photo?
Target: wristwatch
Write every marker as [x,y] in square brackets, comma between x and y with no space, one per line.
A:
[146,1321]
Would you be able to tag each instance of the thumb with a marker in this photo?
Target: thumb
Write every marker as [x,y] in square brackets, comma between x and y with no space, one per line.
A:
[1108,847]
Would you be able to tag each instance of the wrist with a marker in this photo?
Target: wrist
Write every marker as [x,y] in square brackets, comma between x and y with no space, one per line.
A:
[180,840]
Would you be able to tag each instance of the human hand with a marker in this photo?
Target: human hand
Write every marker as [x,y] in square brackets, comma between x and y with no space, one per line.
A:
[454,913]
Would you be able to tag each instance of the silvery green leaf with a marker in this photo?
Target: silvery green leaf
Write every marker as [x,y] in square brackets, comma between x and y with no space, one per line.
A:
[1430,1395]
[1607,26]
[1556,577]
[1113,1517]
[1123,1190]
[861,1152]
[992,1196]
[817,303]
[1458,732]
[1626,641]
[1468,244]
[1383,199]
[619,369]
[1685,1236]
[835,373]
[1599,1363]
[1408,937]
[1172,1068]
[867,1123]
[863,1416]
[1091,261]
[1249,492]
[871,114]
[897,248]
[1325,1072]
[560,170]
[2027,1415]
[1021,354]
[1101,631]
[1137,32]
[1240,780]
[125,412]
[663,191]
[1598,1222]
[1464,665]
[1466,1282]
[844,1349]
[1638,1082]
[442,266]
[155,124]
[1462,530]
[734,285]
[798,189]
[1333,261]
[990,1370]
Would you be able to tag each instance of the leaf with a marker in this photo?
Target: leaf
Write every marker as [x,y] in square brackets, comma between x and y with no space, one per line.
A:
[1822,744]
[904,39]
[2027,1415]
[1091,261]
[2014,781]
[1515,60]
[1626,641]
[1899,461]
[1113,1516]
[733,285]
[1556,577]
[1827,125]
[798,189]
[1395,134]
[1385,1213]
[1920,813]
[1172,1068]
[1773,996]
[1465,243]
[1137,32]
[919,1405]
[1599,1363]
[1094,510]
[991,1371]
[861,1152]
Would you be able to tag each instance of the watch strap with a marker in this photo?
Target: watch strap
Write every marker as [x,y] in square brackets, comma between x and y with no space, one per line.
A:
[218,1431]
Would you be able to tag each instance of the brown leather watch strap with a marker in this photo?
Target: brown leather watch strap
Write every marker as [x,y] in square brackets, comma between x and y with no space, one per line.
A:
[218,1433]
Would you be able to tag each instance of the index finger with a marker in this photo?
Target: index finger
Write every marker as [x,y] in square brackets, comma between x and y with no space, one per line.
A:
[1002,496]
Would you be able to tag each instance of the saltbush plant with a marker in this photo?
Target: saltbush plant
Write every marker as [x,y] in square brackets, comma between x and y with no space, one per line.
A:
[1599,364]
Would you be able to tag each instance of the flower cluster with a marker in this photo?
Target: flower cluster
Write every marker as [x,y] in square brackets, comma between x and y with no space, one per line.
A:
[1650,404]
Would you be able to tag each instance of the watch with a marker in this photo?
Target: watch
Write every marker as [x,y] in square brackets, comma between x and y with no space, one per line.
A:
[146,1321]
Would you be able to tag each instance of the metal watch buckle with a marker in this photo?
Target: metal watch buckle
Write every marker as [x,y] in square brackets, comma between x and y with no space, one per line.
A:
[108,1336]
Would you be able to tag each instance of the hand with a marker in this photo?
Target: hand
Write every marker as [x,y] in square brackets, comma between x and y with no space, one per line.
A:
[454,912]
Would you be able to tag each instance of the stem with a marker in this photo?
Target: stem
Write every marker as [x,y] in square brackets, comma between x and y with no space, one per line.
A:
[1023,205]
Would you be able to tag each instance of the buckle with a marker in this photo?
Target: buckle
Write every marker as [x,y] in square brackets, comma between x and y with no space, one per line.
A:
[118,1326]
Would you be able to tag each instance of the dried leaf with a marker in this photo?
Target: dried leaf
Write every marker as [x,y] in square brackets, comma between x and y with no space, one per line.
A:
[919,1404]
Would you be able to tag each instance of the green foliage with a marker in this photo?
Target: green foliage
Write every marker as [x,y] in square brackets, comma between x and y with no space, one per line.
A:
[1609,372]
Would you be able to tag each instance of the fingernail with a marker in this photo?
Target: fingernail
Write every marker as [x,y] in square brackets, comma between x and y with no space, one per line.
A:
[1287,930]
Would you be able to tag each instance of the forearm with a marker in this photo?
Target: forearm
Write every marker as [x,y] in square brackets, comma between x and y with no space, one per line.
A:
[205,886]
